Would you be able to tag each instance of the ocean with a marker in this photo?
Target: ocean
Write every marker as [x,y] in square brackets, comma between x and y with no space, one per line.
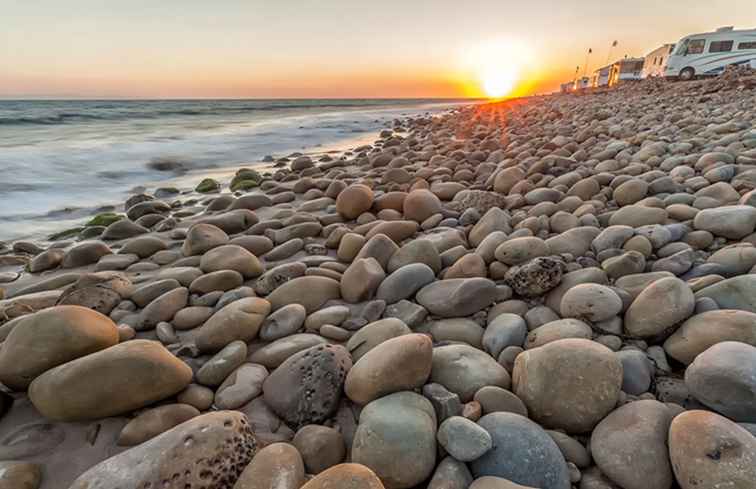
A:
[61,160]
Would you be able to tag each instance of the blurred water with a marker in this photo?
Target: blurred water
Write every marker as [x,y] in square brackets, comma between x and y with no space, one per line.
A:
[60,156]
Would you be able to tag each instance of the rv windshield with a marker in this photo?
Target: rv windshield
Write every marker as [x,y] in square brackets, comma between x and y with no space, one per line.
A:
[683,47]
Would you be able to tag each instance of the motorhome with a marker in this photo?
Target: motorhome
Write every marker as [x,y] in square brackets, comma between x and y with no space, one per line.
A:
[582,82]
[625,70]
[709,53]
[600,77]
[656,61]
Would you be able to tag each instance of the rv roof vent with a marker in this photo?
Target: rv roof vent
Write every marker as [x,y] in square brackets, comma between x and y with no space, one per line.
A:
[725,29]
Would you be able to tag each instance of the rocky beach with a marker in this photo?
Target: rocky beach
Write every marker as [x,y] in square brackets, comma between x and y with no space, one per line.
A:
[550,292]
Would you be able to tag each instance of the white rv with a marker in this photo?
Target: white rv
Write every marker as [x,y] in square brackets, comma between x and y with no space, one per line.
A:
[601,77]
[709,53]
[656,61]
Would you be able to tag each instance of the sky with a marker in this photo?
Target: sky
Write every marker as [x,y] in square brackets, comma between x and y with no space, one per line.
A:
[329,48]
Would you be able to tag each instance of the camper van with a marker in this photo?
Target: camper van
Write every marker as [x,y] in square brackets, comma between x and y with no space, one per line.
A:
[601,77]
[656,61]
[709,53]
[624,70]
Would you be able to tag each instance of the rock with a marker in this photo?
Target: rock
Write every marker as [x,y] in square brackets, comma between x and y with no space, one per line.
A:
[162,309]
[278,465]
[52,337]
[110,382]
[568,384]
[222,280]
[732,293]
[201,238]
[398,364]
[504,330]
[514,435]
[416,251]
[239,320]
[732,222]
[507,178]
[311,292]
[493,399]
[722,377]
[396,438]
[638,215]
[354,200]
[708,450]
[558,330]
[306,388]
[593,302]
[616,439]
[345,476]
[405,282]
[196,395]
[155,421]
[493,220]
[274,354]
[46,260]
[490,482]
[213,448]
[450,474]
[85,253]
[283,322]
[535,277]
[463,370]
[231,257]
[100,291]
[373,334]
[220,366]
[463,439]
[420,204]
[321,447]
[660,306]
[279,275]
[696,334]
[244,384]
[457,297]
[637,371]
[20,475]
[360,281]
[519,250]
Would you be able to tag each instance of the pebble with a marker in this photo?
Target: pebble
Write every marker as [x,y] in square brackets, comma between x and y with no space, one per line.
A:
[463,439]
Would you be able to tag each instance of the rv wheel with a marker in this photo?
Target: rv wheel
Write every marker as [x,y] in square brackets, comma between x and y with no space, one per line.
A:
[687,74]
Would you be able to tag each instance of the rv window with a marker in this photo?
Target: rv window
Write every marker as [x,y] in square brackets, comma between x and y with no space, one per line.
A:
[671,48]
[747,45]
[696,46]
[720,46]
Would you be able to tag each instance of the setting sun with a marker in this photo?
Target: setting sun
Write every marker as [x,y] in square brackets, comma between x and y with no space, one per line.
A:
[499,81]
[496,67]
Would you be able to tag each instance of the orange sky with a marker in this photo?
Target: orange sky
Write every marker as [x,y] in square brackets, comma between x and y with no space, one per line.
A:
[337,48]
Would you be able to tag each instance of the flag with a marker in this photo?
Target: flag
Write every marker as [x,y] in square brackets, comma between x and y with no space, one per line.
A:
[614,44]
[590,50]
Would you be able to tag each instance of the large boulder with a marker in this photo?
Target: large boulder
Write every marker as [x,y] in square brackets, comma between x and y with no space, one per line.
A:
[52,337]
[396,438]
[420,204]
[354,200]
[522,453]
[306,388]
[110,382]
[724,378]
[630,445]
[210,449]
[568,384]
[709,450]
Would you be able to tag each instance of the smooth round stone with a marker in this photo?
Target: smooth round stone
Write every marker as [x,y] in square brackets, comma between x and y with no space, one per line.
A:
[637,371]
[231,257]
[396,438]
[709,450]
[463,370]
[505,330]
[457,297]
[568,384]
[52,337]
[278,465]
[420,204]
[405,282]
[558,330]
[630,445]
[239,320]
[354,200]
[197,395]
[724,378]
[274,354]
[347,476]
[361,280]
[450,474]
[696,334]
[373,334]
[494,399]
[573,451]
[398,364]
[311,292]
[593,302]
[244,384]
[519,250]
[201,238]
[220,366]
[491,482]
[191,317]
[312,398]
[458,330]
[86,253]
[733,293]
[328,315]
[321,447]
[463,439]
[514,435]
[20,475]
[98,386]
[162,309]
[155,421]
[283,322]
[661,305]
[416,251]
[732,222]
[221,280]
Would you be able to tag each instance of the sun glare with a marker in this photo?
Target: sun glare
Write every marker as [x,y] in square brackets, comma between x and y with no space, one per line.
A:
[497,66]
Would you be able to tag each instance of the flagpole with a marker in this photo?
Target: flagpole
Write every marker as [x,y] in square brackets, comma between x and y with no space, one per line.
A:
[585,68]
[609,54]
